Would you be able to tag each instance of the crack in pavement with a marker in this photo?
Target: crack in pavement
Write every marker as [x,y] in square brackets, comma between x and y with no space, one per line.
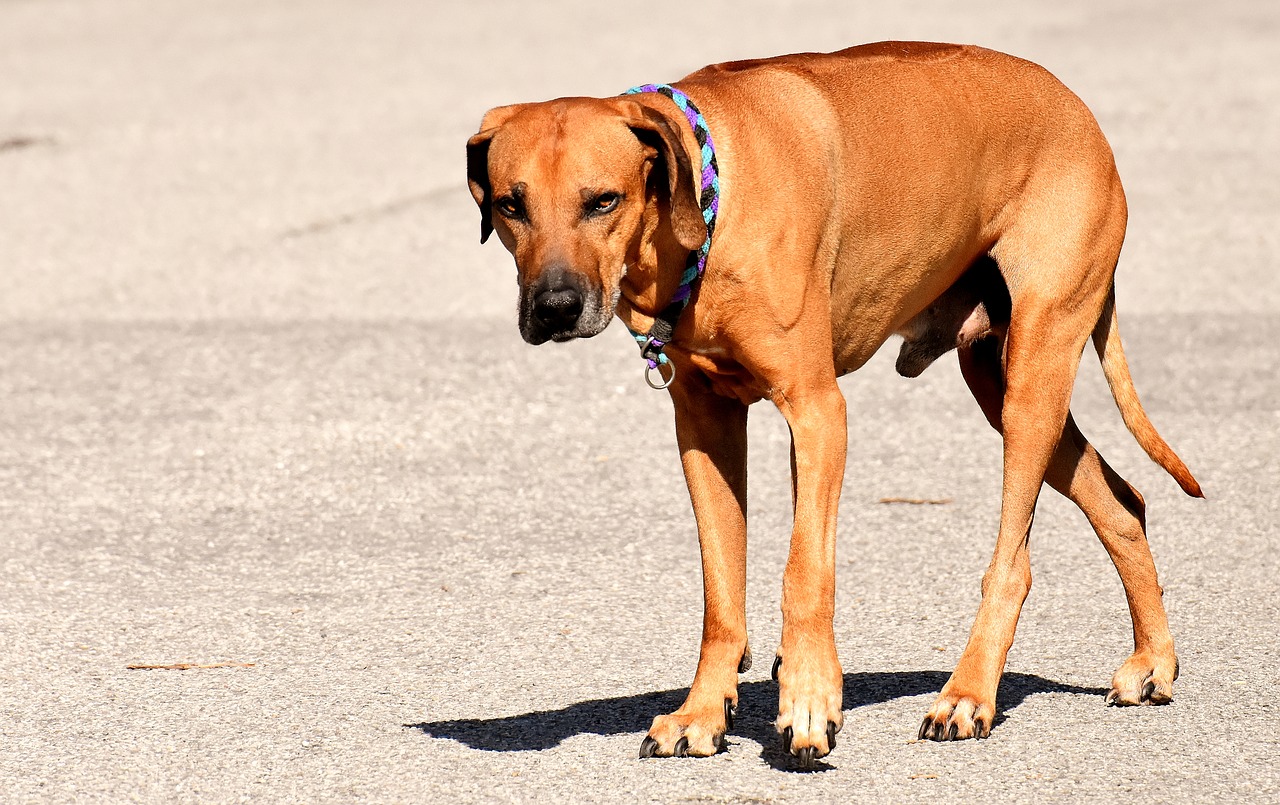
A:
[365,215]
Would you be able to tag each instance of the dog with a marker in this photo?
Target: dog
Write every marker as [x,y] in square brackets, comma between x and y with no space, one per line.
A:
[958,196]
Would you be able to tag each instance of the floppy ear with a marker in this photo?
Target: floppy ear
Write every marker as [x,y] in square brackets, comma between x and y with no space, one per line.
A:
[655,130]
[478,164]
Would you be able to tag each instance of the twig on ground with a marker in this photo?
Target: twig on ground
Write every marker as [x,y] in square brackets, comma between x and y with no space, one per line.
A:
[189,666]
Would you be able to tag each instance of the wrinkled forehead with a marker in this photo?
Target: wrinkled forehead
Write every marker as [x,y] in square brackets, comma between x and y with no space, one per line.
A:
[571,144]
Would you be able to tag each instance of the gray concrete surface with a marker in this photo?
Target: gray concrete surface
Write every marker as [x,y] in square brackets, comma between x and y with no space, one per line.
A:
[262,400]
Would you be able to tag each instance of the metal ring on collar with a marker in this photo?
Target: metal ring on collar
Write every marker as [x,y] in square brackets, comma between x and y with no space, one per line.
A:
[648,377]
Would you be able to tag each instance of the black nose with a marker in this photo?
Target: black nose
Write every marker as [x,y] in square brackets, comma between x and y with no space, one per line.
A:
[557,308]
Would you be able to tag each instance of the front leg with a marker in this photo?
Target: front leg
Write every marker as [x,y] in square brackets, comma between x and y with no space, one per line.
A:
[712,433]
[810,679]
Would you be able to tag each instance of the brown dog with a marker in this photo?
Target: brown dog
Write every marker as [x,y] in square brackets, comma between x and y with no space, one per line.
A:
[961,197]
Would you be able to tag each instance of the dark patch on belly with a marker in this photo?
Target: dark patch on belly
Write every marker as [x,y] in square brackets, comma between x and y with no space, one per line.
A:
[728,378]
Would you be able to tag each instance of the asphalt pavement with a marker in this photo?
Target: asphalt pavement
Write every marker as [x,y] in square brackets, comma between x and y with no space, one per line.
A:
[264,411]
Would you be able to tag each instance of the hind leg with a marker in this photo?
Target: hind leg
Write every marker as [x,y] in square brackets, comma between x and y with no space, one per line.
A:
[1118,516]
[1042,353]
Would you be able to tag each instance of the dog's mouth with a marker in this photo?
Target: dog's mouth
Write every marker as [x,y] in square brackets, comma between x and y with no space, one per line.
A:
[537,336]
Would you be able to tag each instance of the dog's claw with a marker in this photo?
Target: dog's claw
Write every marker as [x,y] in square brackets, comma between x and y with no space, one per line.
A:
[730,713]
[647,747]
[744,664]
[980,729]
[682,747]
[807,756]
[1147,690]
[777,661]
[924,729]
[831,736]
[786,741]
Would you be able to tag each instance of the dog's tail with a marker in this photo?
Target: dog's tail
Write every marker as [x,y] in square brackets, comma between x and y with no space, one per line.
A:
[1106,339]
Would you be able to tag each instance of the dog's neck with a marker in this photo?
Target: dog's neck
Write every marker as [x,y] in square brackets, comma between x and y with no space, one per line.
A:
[654,267]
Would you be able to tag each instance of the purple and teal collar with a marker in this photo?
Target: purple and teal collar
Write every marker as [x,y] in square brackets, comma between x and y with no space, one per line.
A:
[664,324]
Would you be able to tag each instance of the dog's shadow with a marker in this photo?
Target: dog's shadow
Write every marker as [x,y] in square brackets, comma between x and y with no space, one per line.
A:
[757,702]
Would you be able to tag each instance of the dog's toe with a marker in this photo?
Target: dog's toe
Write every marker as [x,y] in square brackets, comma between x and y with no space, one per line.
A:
[1144,678]
[956,718]
[690,733]
[806,758]
[809,707]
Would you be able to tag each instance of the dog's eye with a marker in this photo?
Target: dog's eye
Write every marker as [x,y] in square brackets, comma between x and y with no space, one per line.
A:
[604,203]
[508,207]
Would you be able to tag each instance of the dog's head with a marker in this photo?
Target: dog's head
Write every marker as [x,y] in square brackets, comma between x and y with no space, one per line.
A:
[570,186]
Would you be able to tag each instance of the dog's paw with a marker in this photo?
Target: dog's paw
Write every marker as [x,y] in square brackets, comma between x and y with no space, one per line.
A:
[955,716]
[1145,678]
[693,733]
[810,712]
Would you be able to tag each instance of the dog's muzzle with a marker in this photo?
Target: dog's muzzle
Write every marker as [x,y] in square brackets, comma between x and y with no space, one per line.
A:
[558,308]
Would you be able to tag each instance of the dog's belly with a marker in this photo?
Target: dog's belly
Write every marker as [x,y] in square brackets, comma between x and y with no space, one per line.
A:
[864,315]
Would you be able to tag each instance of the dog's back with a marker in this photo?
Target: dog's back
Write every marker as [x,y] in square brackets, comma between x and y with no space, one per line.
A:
[898,138]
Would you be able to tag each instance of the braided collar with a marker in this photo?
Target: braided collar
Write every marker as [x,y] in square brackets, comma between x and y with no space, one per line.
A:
[664,324]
